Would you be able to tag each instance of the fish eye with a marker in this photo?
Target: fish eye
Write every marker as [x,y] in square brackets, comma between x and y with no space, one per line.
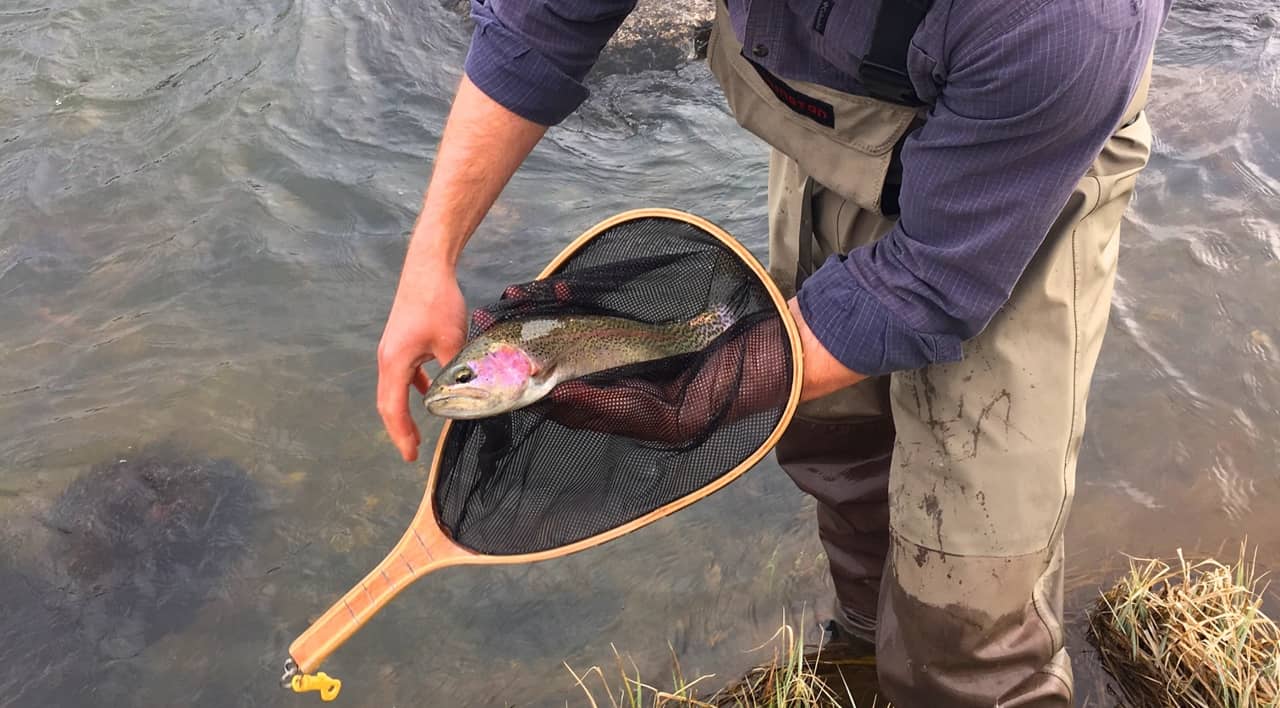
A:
[464,375]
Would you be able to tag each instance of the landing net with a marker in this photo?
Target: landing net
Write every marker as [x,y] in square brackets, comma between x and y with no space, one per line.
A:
[603,451]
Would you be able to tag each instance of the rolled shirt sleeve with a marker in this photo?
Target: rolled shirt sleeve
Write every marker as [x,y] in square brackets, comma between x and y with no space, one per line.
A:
[531,56]
[1025,110]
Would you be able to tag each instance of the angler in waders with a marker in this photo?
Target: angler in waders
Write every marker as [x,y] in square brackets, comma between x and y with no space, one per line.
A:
[946,186]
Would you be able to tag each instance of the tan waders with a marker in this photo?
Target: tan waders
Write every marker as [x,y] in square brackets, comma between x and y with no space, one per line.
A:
[942,492]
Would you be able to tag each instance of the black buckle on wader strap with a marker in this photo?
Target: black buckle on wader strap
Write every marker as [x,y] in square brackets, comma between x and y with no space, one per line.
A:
[883,71]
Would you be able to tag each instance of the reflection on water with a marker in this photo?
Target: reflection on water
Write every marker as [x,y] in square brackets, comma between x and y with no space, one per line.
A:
[202,212]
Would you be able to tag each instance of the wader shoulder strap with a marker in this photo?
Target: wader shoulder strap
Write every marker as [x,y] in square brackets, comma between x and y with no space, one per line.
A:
[884,68]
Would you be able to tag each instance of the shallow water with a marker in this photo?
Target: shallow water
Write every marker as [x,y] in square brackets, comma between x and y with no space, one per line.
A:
[203,207]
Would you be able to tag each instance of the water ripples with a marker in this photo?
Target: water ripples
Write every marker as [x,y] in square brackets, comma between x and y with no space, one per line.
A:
[202,214]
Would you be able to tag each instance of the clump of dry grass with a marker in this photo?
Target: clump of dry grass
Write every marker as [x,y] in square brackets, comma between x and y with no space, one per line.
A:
[634,693]
[1192,635]
[793,678]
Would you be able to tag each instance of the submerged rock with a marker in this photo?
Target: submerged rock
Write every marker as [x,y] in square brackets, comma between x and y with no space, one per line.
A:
[658,35]
[655,36]
[136,546]
[142,541]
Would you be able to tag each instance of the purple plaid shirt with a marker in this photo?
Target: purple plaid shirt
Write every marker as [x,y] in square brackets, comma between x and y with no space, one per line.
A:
[1023,95]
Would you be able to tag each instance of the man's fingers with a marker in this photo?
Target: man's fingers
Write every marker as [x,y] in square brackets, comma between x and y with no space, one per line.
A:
[393,406]
[420,380]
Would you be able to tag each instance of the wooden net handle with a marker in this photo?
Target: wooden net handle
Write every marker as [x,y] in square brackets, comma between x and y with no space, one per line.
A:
[423,549]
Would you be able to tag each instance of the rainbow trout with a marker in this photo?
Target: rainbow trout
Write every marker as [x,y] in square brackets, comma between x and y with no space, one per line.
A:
[517,362]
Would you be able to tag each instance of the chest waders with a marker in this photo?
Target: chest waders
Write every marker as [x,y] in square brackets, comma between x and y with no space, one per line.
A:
[941,492]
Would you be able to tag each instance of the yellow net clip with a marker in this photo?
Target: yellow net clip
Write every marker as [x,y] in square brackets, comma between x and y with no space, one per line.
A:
[322,682]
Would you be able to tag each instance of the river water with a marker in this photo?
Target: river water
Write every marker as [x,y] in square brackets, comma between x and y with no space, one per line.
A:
[203,207]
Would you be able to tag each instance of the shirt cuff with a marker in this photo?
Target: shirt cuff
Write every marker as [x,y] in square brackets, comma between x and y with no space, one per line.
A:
[860,331]
[518,77]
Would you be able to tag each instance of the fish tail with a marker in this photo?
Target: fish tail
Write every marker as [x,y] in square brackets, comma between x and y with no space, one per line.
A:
[712,323]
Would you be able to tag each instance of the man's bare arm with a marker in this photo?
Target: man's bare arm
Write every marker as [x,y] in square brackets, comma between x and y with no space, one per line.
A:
[482,146]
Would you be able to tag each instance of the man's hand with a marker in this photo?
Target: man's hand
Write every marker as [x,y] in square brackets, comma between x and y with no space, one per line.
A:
[823,373]
[427,321]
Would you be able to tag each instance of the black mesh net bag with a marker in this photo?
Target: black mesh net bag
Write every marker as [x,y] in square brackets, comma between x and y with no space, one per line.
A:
[603,450]
[601,453]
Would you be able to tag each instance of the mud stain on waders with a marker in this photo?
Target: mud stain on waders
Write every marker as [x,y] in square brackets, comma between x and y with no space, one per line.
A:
[933,508]
[987,410]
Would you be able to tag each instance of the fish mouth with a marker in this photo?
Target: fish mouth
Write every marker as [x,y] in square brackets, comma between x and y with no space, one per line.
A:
[451,395]
[444,399]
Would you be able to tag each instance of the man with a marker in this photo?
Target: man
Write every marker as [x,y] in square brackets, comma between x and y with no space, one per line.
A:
[946,187]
